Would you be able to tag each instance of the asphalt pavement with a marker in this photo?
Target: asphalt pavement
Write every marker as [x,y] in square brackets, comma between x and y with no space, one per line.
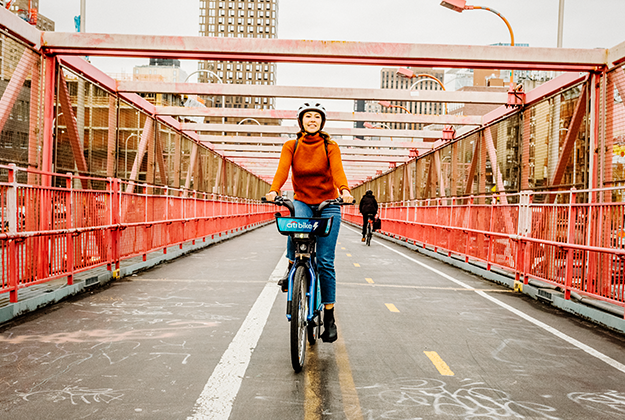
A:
[206,337]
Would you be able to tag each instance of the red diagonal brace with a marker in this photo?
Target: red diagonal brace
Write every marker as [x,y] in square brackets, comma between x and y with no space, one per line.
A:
[492,155]
[160,159]
[191,170]
[14,87]
[72,129]
[571,136]
[148,130]
[475,158]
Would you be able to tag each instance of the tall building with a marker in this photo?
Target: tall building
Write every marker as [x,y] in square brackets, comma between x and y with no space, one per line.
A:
[161,70]
[391,80]
[239,19]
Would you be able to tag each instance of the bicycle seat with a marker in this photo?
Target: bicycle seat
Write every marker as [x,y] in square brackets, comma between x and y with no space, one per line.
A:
[318,226]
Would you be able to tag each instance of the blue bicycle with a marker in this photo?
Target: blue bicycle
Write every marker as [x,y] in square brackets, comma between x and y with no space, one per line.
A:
[304,305]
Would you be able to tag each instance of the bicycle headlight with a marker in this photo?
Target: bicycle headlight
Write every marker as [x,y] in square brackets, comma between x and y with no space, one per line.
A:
[301,235]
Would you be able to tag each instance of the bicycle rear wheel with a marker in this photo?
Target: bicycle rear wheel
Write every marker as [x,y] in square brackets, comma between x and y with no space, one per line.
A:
[369,233]
[299,311]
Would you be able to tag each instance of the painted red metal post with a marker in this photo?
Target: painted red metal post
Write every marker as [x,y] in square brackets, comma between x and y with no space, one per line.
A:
[493,203]
[468,240]
[13,221]
[69,237]
[48,118]
[569,252]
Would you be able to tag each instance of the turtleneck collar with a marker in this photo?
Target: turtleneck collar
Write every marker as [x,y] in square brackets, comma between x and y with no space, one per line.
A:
[312,138]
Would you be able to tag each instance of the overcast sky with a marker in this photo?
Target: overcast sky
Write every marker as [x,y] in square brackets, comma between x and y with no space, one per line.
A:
[587,24]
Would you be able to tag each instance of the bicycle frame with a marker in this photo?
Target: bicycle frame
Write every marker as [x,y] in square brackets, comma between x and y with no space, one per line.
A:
[304,237]
[314,290]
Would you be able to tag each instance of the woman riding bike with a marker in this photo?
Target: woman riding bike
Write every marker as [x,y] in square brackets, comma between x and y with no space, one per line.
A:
[317,173]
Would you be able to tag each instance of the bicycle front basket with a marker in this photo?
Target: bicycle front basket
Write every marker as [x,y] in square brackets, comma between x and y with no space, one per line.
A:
[318,226]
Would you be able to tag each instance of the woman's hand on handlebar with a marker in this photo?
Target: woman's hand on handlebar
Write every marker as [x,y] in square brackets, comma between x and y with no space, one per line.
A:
[346,196]
[271,196]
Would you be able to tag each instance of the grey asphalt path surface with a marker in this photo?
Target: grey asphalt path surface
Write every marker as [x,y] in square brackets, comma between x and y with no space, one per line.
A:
[195,338]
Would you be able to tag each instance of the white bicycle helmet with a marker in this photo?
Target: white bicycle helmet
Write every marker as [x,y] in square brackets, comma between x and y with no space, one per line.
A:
[308,107]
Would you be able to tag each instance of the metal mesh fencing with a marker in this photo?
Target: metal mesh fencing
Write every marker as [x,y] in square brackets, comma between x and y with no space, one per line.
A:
[530,149]
[613,134]
[21,88]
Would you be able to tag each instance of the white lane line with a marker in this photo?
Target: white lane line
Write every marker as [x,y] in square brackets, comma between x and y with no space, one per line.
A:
[216,400]
[557,333]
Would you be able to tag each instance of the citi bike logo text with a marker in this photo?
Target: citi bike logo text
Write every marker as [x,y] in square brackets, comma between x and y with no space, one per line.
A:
[302,225]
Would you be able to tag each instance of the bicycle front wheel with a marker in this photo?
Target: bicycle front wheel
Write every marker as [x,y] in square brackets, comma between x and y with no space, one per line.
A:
[299,312]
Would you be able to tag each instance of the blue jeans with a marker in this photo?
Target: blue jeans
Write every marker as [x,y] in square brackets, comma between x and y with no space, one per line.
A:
[326,247]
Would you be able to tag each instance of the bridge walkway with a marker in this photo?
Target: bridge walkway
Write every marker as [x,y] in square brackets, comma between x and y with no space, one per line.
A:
[205,336]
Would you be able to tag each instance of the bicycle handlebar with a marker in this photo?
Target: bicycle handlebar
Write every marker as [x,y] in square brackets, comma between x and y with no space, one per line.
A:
[281,201]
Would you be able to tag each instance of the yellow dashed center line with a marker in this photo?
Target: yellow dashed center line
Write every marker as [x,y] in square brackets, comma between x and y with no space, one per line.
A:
[442,367]
[369,281]
[342,247]
[356,265]
[349,255]
[351,403]
[391,307]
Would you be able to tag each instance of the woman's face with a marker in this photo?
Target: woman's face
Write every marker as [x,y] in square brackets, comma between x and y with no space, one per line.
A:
[311,122]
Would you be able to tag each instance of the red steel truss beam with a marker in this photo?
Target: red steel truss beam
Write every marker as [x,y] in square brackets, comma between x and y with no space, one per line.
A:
[334,131]
[226,148]
[323,52]
[34,135]
[331,116]
[345,158]
[214,141]
[112,137]
[275,91]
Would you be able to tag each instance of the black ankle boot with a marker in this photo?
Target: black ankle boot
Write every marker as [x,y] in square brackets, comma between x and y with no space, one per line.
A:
[330,333]
[284,281]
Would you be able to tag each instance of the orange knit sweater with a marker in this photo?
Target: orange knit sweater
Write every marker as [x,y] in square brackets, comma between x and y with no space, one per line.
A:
[313,179]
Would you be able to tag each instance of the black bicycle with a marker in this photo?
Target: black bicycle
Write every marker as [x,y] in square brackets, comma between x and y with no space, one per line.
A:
[304,305]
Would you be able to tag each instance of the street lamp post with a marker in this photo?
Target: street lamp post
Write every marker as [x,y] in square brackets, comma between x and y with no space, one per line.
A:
[410,74]
[249,119]
[515,95]
[212,73]
[126,154]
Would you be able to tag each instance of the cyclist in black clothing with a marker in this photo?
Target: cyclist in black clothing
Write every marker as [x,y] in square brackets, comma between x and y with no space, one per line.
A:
[368,208]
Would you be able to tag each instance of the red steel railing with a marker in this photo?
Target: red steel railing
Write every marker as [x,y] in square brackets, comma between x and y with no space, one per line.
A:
[50,232]
[574,245]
